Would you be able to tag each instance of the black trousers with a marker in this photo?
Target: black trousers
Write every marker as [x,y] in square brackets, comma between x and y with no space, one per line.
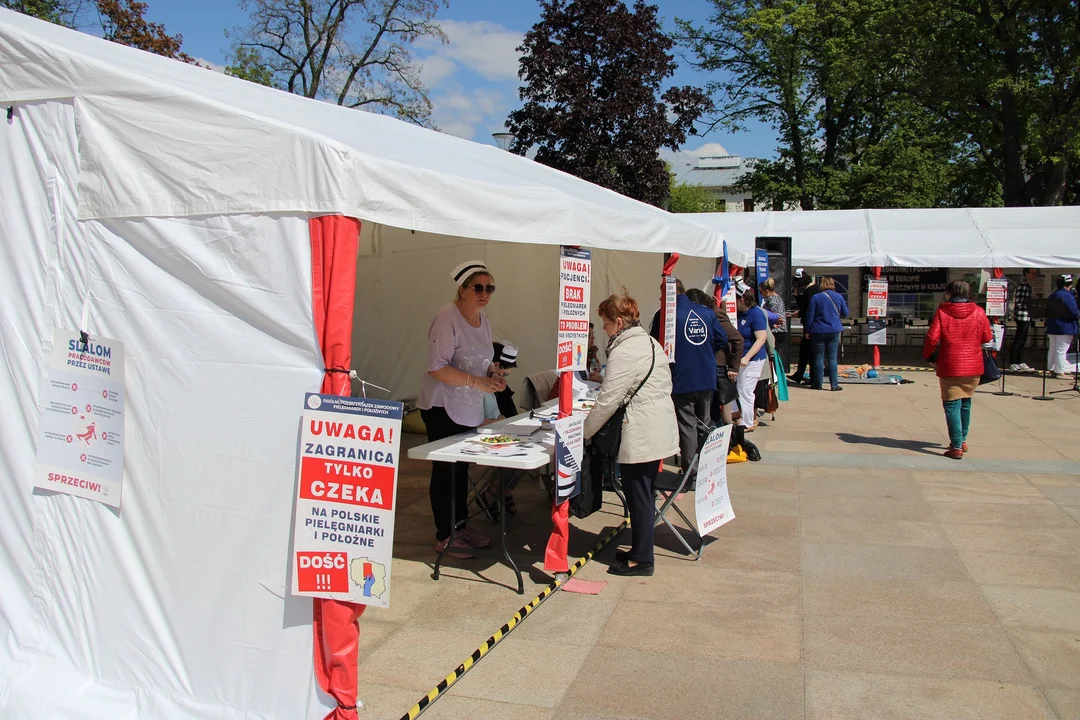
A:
[1016,352]
[448,480]
[806,353]
[693,412]
[639,484]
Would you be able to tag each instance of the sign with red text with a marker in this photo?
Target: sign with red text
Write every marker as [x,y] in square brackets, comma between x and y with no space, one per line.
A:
[80,442]
[730,307]
[575,281]
[670,298]
[877,302]
[346,492]
[712,503]
[997,291]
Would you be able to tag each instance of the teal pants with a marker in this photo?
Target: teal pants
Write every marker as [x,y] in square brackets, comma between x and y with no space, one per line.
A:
[958,419]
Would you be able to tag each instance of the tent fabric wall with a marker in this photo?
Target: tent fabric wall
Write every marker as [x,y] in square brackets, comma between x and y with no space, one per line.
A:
[1042,237]
[161,609]
[162,138]
[404,277]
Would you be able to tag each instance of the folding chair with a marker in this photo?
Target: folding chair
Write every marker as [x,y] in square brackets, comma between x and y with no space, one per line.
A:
[669,485]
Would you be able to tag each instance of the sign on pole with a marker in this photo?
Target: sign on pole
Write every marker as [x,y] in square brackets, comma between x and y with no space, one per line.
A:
[877,309]
[997,291]
[80,441]
[712,504]
[346,492]
[761,263]
[730,307]
[670,298]
[575,281]
[569,450]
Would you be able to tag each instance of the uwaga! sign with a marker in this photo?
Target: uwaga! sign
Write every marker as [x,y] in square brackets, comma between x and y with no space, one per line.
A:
[575,282]
[343,532]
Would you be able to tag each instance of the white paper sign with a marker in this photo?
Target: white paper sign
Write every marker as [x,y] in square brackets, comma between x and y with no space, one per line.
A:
[997,291]
[569,450]
[670,298]
[877,305]
[575,282]
[999,337]
[80,442]
[346,493]
[876,331]
[712,504]
[730,307]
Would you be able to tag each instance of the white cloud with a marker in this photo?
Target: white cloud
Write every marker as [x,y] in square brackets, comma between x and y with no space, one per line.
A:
[435,69]
[207,64]
[487,48]
[471,113]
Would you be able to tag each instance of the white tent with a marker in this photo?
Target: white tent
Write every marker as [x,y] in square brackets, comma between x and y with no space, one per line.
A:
[167,206]
[1042,237]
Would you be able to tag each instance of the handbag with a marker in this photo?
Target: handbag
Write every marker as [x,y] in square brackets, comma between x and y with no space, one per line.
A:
[991,372]
[608,438]
[594,469]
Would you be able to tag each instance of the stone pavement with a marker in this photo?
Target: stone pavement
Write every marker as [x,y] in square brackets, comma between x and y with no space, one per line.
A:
[863,577]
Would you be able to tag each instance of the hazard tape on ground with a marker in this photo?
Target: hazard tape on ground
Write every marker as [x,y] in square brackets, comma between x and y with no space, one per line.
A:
[899,368]
[425,702]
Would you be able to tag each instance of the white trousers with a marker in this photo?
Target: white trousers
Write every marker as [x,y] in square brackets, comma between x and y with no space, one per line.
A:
[746,383]
[1056,357]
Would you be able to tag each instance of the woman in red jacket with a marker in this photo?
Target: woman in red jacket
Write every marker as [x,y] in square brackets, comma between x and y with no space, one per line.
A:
[959,330]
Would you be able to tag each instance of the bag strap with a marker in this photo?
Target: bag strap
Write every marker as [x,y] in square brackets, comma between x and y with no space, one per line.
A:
[652,365]
[833,302]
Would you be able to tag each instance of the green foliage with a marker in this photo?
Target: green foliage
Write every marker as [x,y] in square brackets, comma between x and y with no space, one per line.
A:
[56,11]
[249,65]
[683,198]
[593,99]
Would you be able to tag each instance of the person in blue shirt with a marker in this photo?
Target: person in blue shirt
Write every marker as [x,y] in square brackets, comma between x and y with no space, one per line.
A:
[1061,326]
[753,325]
[698,337]
[822,327]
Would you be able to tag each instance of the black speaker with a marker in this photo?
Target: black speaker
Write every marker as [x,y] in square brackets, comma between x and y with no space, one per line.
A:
[780,270]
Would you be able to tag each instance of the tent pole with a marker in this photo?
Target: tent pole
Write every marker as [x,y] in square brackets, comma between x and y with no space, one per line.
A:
[877,350]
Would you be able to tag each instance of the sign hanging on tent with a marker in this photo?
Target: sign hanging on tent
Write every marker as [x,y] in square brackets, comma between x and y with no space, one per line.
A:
[997,291]
[569,450]
[346,491]
[730,307]
[712,503]
[670,298]
[575,282]
[761,264]
[80,442]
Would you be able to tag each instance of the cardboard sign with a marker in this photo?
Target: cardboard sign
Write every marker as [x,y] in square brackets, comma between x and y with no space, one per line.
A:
[569,450]
[80,442]
[346,492]
[877,302]
[997,291]
[712,504]
[670,297]
[575,282]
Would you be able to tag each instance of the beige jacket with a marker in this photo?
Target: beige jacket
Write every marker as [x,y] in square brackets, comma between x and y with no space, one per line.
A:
[649,428]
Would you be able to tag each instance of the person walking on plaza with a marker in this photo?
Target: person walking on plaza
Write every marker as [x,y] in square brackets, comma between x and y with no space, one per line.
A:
[1022,317]
[459,373]
[753,326]
[822,328]
[636,368]
[959,330]
[698,337]
[806,289]
[1061,326]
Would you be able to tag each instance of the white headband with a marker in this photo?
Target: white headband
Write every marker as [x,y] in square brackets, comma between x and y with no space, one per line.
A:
[462,272]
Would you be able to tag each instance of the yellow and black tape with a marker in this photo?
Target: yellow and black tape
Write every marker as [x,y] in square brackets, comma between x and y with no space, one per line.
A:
[901,368]
[425,702]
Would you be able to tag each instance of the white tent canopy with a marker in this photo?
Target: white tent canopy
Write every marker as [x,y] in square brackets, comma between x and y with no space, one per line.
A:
[155,135]
[169,206]
[1042,237]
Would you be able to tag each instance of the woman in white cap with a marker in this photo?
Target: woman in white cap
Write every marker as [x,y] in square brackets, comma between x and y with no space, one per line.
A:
[459,373]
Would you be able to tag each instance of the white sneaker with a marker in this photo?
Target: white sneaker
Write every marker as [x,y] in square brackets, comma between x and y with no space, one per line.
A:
[1026,368]
[1015,368]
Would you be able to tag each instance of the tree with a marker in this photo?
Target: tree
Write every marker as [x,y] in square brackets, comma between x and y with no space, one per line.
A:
[249,65]
[351,52]
[593,105]
[683,198]
[56,11]
[123,22]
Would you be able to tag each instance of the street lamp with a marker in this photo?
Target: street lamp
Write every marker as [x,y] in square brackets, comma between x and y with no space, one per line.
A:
[504,140]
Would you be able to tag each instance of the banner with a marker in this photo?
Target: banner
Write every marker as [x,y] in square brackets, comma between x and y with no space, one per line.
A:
[80,440]
[761,263]
[346,491]
[569,450]
[712,504]
[730,307]
[910,279]
[997,291]
[877,304]
[575,282]
[670,298]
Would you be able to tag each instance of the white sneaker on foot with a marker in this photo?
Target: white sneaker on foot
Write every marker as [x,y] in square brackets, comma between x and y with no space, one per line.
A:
[1015,368]
[1026,368]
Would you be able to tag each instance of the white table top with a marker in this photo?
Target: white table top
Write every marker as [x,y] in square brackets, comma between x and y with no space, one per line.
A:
[537,451]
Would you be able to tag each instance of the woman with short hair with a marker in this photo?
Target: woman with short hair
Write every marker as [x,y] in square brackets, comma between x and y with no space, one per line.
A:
[958,332]
[822,327]
[637,367]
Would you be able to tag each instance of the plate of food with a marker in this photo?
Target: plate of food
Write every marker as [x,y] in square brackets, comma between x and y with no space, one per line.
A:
[496,441]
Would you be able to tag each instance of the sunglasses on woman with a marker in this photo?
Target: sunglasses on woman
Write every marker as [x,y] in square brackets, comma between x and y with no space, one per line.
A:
[478,288]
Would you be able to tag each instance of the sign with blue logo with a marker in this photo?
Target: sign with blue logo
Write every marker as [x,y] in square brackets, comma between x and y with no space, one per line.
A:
[761,262]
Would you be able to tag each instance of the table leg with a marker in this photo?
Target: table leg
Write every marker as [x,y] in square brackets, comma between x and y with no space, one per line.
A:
[502,530]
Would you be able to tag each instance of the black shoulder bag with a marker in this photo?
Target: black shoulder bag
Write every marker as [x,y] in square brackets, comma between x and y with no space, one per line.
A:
[607,439]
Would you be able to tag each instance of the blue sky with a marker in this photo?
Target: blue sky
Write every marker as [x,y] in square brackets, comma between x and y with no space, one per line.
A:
[472,81]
